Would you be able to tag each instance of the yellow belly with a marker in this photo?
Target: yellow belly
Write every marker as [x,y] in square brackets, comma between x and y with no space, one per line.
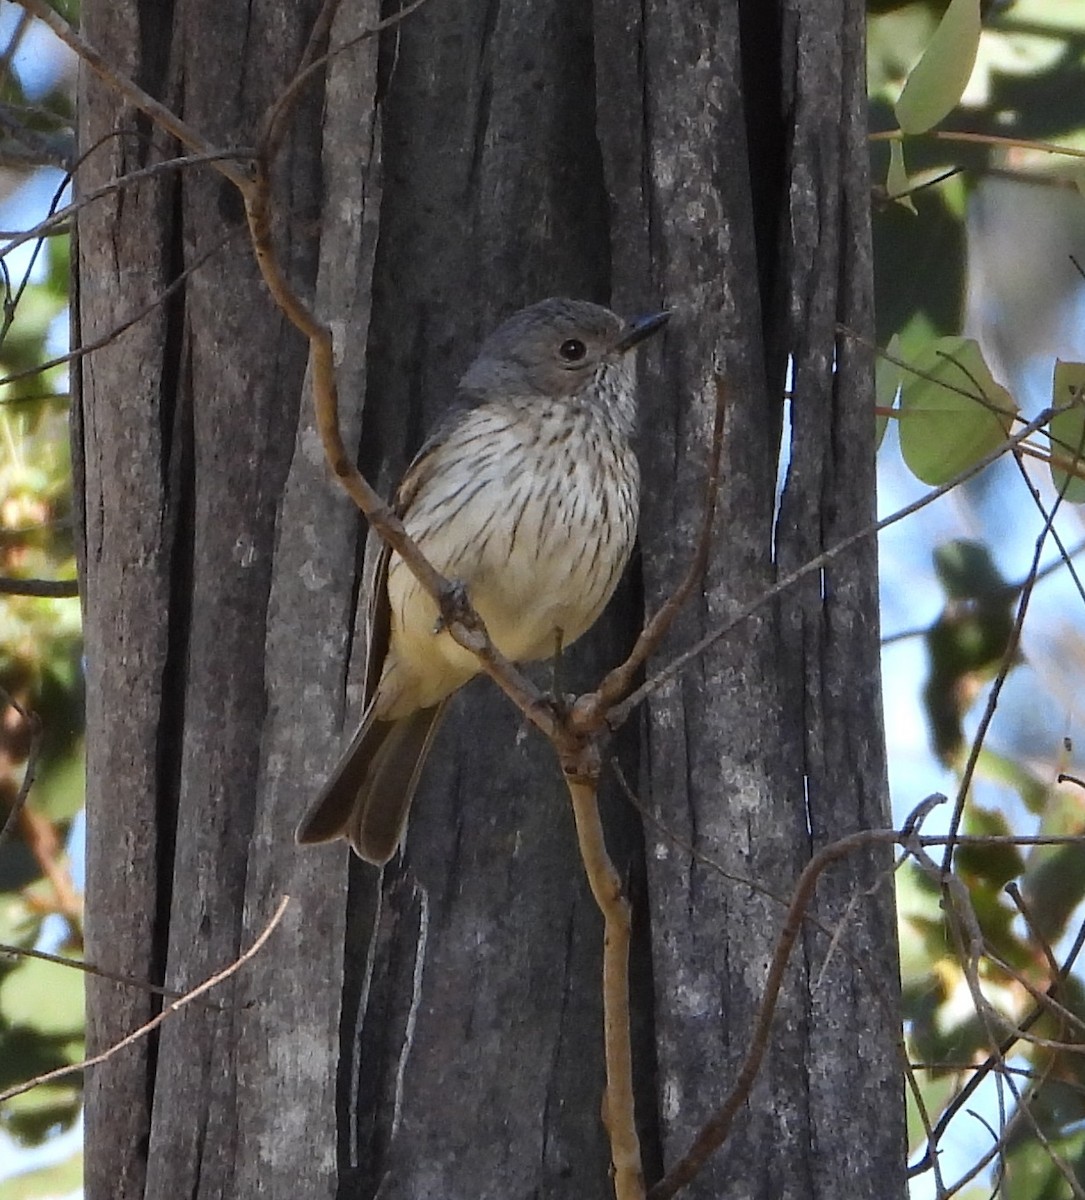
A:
[538,537]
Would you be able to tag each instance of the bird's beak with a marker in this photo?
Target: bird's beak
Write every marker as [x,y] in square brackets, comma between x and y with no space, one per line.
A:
[640,328]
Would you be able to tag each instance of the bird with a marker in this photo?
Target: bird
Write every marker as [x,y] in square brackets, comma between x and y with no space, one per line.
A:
[526,494]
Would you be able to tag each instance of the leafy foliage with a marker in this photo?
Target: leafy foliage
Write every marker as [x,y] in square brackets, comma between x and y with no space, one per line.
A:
[41,1019]
[40,649]
[994,1001]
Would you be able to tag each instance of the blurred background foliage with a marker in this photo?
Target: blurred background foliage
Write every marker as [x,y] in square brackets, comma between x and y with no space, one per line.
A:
[41,1004]
[979,232]
[976,252]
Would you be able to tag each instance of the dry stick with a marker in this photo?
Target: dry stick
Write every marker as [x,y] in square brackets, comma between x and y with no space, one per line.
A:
[620,713]
[310,65]
[87,968]
[716,1129]
[889,1013]
[164,1015]
[582,778]
[1014,892]
[1040,995]
[54,589]
[49,224]
[157,111]
[1003,672]
[1023,1112]
[981,139]
[115,331]
[34,721]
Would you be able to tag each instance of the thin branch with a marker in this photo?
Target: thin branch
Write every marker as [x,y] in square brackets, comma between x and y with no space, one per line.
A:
[164,1015]
[77,964]
[12,48]
[49,225]
[993,1061]
[33,722]
[273,125]
[965,930]
[1014,892]
[134,94]
[116,330]
[1008,659]
[53,589]
[981,139]
[620,713]
[271,135]
[715,1131]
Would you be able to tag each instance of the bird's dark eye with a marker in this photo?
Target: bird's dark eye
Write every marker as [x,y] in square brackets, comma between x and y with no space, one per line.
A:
[572,350]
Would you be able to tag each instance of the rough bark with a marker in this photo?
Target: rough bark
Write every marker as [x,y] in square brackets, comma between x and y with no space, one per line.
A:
[735,144]
[434,1031]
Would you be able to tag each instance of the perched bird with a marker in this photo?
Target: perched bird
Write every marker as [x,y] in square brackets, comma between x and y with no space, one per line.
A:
[528,494]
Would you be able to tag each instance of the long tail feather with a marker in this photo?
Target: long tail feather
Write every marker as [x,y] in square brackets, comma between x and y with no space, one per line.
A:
[369,794]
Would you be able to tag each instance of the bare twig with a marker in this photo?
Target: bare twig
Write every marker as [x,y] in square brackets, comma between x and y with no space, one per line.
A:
[715,1131]
[1008,659]
[61,216]
[965,930]
[982,139]
[53,589]
[620,713]
[310,64]
[33,722]
[164,1015]
[133,93]
[120,327]
[995,1061]
[87,968]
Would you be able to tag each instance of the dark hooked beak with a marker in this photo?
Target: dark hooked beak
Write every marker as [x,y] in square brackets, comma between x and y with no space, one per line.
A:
[640,328]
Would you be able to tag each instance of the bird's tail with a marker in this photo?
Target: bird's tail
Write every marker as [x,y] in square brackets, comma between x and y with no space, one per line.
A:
[369,794]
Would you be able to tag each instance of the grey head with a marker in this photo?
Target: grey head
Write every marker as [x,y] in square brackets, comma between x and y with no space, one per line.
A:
[559,349]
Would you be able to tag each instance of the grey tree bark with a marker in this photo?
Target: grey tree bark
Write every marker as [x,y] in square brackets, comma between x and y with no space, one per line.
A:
[435,1031]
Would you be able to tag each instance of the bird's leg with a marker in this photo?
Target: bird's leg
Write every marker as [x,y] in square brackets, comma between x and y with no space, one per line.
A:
[558,699]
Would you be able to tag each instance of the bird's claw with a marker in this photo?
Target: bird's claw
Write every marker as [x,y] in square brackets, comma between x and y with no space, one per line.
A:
[454,606]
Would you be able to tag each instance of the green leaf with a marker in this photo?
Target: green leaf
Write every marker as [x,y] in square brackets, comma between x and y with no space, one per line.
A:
[44,996]
[1068,431]
[60,1179]
[1002,769]
[1032,1175]
[897,184]
[952,410]
[937,82]
[1054,879]
[988,866]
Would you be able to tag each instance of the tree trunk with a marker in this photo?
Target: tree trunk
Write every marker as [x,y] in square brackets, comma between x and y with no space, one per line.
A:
[435,1030]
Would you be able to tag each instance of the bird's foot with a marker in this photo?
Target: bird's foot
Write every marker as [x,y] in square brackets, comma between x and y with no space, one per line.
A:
[454,608]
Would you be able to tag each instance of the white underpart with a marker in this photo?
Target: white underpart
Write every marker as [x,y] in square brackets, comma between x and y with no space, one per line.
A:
[554,532]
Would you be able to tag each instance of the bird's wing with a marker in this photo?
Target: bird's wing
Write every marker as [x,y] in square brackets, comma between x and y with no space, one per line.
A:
[375,576]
